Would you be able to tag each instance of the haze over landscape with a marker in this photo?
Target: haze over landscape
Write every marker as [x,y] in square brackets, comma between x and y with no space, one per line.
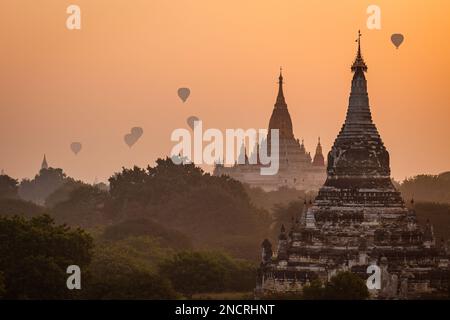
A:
[123,69]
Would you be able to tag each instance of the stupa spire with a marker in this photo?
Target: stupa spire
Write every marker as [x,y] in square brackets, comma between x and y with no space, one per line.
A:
[280,97]
[358,112]
[366,160]
[281,118]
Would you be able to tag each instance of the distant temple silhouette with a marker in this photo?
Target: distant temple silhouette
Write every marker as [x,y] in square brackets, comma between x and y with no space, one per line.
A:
[296,167]
[44,164]
[357,219]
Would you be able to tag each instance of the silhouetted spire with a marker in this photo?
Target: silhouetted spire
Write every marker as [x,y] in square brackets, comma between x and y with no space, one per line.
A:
[280,98]
[44,164]
[366,160]
[319,147]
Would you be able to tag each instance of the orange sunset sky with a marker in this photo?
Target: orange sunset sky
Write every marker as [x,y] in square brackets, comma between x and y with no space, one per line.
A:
[123,69]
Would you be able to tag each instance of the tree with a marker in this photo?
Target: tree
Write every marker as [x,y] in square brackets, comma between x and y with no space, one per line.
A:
[200,272]
[8,187]
[215,212]
[85,207]
[35,254]
[282,196]
[438,214]
[62,193]
[346,286]
[146,227]
[343,286]
[193,272]
[120,271]
[12,207]
[424,187]
[314,291]
[43,184]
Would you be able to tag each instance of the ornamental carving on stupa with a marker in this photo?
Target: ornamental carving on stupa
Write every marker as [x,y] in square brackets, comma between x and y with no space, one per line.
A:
[297,169]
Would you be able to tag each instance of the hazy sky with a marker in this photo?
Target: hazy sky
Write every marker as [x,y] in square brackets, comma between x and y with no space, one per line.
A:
[123,69]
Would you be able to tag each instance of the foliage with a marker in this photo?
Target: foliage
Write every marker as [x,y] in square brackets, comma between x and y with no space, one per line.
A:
[63,193]
[147,227]
[43,184]
[159,184]
[212,211]
[346,286]
[36,266]
[126,270]
[283,196]
[200,272]
[439,216]
[12,207]
[427,188]
[343,286]
[314,291]
[8,187]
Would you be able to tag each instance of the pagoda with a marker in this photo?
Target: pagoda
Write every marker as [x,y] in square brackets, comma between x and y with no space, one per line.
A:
[296,167]
[357,219]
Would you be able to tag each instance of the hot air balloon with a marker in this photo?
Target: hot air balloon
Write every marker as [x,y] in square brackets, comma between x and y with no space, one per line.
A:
[191,121]
[397,39]
[75,147]
[184,93]
[134,135]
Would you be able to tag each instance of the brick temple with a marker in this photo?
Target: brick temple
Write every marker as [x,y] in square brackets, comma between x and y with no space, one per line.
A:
[357,219]
[297,169]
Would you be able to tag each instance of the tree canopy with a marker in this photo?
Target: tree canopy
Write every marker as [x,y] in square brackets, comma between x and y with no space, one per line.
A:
[215,212]
[43,184]
[199,272]
[36,266]
[427,188]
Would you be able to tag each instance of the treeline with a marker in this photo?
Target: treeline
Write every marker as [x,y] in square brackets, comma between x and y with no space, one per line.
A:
[427,188]
[431,194]
[162,232]
[438,215]
[167,231]
[176,202]
[36,253]
[129,268]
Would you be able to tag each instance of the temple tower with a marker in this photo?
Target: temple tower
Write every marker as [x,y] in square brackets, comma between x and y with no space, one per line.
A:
[296,169]
[358,217]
